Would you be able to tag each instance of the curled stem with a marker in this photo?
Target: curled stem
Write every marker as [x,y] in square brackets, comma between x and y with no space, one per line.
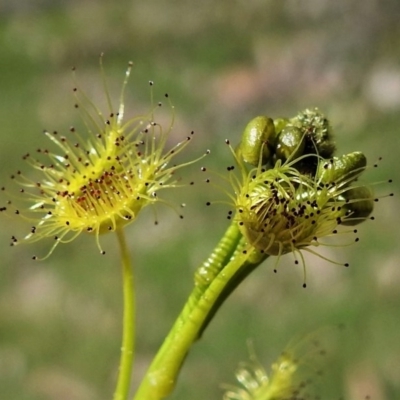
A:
[128,329]
[199,309]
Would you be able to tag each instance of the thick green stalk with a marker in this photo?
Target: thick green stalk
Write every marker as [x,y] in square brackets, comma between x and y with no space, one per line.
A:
[201,305]
[128,329]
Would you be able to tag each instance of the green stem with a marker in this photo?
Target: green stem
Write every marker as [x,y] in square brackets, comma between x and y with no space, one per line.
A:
[128,330]
[162,374]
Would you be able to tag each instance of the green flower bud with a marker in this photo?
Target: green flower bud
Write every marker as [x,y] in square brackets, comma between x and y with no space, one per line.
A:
[280,123]
[290,143]
[348,167]
[257,138]
[359,204]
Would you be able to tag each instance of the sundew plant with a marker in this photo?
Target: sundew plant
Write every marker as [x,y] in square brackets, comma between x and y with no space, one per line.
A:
[288,189]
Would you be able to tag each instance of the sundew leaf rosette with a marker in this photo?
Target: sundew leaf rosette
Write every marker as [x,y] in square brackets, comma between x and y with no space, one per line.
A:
[299,373]
[98,181]
[281,210]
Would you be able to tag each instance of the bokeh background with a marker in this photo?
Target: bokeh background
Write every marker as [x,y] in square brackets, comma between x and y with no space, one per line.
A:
[222,62]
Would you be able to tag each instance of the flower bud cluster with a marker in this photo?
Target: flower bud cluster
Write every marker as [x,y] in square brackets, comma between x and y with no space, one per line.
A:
[298,192]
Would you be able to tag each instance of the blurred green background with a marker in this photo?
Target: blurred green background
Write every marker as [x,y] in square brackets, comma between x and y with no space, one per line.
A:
[222,62]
